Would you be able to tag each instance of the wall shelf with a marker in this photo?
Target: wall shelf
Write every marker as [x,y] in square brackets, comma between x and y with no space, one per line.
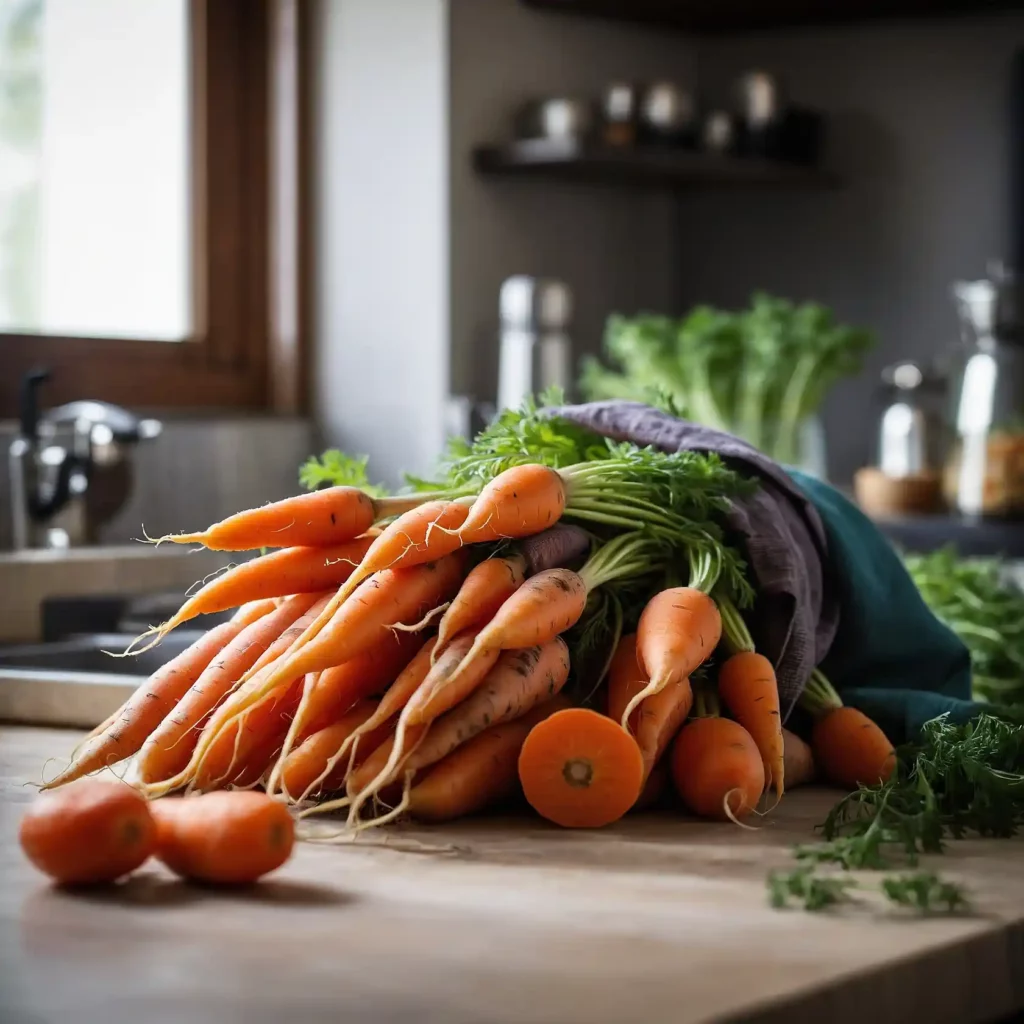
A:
[726,16]
[641,167]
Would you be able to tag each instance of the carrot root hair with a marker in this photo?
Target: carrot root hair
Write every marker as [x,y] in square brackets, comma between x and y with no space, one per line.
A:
[385,819]
[653,687]
[415,627]
[727,810]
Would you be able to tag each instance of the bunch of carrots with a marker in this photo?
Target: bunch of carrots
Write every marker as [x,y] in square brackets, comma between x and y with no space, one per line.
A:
[411,655]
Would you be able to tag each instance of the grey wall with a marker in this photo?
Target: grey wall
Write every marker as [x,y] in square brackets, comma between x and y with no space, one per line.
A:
[381,207]
[919,133]
[616,250]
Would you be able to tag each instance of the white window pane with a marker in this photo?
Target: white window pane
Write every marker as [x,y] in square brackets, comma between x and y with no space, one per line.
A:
[94,176]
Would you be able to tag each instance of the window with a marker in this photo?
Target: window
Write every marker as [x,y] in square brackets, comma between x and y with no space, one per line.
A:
[150,181]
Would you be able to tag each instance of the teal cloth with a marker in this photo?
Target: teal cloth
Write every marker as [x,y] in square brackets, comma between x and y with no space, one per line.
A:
[891,658]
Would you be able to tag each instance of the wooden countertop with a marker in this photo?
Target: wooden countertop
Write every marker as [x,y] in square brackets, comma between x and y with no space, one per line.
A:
[512,922]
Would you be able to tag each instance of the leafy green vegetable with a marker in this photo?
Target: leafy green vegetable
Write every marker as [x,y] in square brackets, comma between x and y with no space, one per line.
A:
[976,600]
[336,469]
[958,780]
[923,891]
[759,373]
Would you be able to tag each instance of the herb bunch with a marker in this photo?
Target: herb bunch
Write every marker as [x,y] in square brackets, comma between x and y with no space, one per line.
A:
[959,780]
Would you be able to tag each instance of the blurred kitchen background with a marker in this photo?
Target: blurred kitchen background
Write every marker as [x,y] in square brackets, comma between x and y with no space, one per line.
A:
[261,227]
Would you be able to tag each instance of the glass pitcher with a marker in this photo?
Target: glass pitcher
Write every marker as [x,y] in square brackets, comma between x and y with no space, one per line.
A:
[985,471]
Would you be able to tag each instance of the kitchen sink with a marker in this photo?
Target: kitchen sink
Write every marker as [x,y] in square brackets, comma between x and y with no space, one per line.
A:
[73,682]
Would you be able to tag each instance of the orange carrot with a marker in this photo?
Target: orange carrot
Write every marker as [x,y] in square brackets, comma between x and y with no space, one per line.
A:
[391,598]
[93,831]
[233,749]
[387,599]
[746,683]
[169,746]
[717,768]
[519,502]
[424,534]
[678,630]
[336,689]
[800,767]
[657,720]
[519,680]
[480,773]
[654,788]
[372,733]
[307,769]
[544,607]
[580,769]
[485,590]
[850,749]
[374,775]
[128,729]
[289,571]
[320,519]
[229,838]
[435,695]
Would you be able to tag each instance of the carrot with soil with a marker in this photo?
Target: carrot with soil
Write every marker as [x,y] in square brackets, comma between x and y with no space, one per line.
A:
[127,730]
[580,769]
[850,749]
[553,601]
[169,746]
[716,766]
[479,774]
[484,591]
[519,680]
[432,698]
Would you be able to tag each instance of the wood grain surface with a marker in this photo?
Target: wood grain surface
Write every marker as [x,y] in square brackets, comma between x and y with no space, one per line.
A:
[508,921]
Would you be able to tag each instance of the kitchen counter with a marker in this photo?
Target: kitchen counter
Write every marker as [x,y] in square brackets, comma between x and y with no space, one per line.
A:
[510,921]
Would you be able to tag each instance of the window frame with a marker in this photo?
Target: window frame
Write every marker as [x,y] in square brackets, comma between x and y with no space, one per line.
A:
[249,109]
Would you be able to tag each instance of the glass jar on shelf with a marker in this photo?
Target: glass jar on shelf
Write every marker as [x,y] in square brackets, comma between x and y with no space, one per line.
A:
[984,474]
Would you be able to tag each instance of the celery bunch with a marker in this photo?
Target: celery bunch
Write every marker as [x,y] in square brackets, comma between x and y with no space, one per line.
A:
[759,373]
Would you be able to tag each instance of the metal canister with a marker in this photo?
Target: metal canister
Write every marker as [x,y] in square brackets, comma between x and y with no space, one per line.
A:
[536,353]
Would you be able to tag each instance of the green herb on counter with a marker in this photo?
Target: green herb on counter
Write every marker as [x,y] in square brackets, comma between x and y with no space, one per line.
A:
[959,780]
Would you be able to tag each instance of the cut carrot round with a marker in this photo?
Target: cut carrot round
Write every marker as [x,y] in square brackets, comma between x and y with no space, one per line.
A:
[580,769]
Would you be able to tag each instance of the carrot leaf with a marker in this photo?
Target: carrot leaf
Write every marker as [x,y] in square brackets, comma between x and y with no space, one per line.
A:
[337,469]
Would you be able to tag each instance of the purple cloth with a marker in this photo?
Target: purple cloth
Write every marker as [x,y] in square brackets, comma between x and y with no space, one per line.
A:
[797,611]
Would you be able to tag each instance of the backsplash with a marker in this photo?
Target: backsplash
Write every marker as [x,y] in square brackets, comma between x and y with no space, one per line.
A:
[196,472]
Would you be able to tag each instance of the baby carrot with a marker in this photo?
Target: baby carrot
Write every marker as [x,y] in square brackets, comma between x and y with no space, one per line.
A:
[225,837]
[521,501]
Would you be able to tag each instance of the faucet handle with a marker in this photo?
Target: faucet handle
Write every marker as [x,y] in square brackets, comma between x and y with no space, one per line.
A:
[28,405]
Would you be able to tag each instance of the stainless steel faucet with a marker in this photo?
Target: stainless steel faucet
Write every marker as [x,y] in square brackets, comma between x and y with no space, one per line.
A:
[69,467]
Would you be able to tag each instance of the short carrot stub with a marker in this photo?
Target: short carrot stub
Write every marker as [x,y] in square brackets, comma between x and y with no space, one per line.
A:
[580,769]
